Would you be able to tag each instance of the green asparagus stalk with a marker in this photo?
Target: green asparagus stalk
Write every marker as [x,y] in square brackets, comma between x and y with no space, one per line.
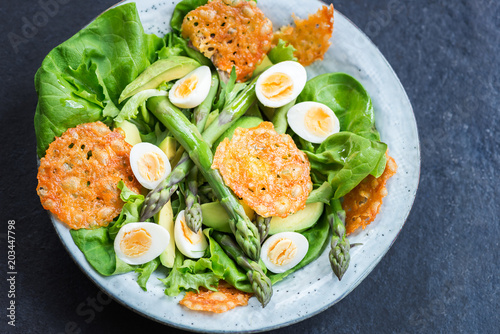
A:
[162,193]
[261,284]
[200,117]
[199,150]
[200,113]
[193,207]
[158,197]
[262,224]
[339,253]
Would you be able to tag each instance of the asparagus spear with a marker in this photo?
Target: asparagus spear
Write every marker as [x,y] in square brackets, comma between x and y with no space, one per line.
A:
[262,226]
[200,116]
[193,207]
[162,193]
[188,136]
[339,253]
[261,284]
[158,197]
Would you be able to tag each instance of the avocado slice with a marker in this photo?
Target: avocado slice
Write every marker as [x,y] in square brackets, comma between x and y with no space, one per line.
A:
[299,221]
[165,218]
[132,135]
[163,70]
[246,122]
[215,216]
[168,146]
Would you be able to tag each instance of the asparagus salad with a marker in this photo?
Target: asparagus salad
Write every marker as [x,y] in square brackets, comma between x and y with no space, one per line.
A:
[207,152]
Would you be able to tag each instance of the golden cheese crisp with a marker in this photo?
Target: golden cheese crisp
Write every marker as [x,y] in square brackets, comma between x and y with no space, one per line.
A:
[362,204]
[265,169]
[230,33]
[310,37]
[224,299]
[78,177]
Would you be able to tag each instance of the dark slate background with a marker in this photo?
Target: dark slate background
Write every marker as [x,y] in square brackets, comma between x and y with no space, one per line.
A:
[441,275]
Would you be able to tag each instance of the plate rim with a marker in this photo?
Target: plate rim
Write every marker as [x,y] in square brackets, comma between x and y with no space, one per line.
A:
[303,317]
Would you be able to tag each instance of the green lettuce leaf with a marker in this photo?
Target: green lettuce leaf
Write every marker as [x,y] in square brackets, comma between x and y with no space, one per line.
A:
[181,9]
[131,210]
[145,270]
[317,236]
[99,251]
[187,274]
[347,98]
[344,159]
[80,80]
[282,52]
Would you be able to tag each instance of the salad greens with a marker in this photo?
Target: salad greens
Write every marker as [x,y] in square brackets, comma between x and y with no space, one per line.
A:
[81,80]
[109,70]
[344,159]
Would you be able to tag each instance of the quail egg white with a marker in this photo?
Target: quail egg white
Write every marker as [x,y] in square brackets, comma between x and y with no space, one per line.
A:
[190,244]
[138,243]
[149,164]
[313,121]
[280,84]
[283,251]
[192,89]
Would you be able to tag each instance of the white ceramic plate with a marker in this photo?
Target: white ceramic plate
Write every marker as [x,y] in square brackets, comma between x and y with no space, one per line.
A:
[314,288]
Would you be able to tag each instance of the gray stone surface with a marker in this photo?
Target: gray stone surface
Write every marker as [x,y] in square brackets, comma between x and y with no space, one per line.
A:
[441,275]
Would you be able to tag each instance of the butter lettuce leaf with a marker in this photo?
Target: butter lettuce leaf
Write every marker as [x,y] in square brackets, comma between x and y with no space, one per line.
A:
[347,98]
[98,249]
[81,80]
[344,159]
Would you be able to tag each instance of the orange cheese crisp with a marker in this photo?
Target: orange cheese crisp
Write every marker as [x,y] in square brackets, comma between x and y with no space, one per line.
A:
[230,33]
[223,300]
[310,37]
[265,169]
[362,204]
[78,177]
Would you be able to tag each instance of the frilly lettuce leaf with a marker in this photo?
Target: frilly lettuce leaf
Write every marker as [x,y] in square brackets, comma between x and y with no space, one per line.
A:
[282,52]
[131,210]
[205,272]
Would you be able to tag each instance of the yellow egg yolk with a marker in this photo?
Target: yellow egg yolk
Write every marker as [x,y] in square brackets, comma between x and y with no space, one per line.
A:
[186,87]
[136,242]
[151,166]
[318,122]
[282,252]
[193,238]
[277,86]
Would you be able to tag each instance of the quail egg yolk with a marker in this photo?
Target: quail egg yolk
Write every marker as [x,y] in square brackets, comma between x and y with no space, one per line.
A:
[282,252]
[277,86]
[193,238]
[136,242]
[318,122]
[151,166]
[187,87]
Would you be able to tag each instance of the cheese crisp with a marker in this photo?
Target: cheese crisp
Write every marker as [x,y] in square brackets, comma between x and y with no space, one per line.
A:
[362,204]
[230,33]
[265,169]
[78,177]
[310,37]
[224,299]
